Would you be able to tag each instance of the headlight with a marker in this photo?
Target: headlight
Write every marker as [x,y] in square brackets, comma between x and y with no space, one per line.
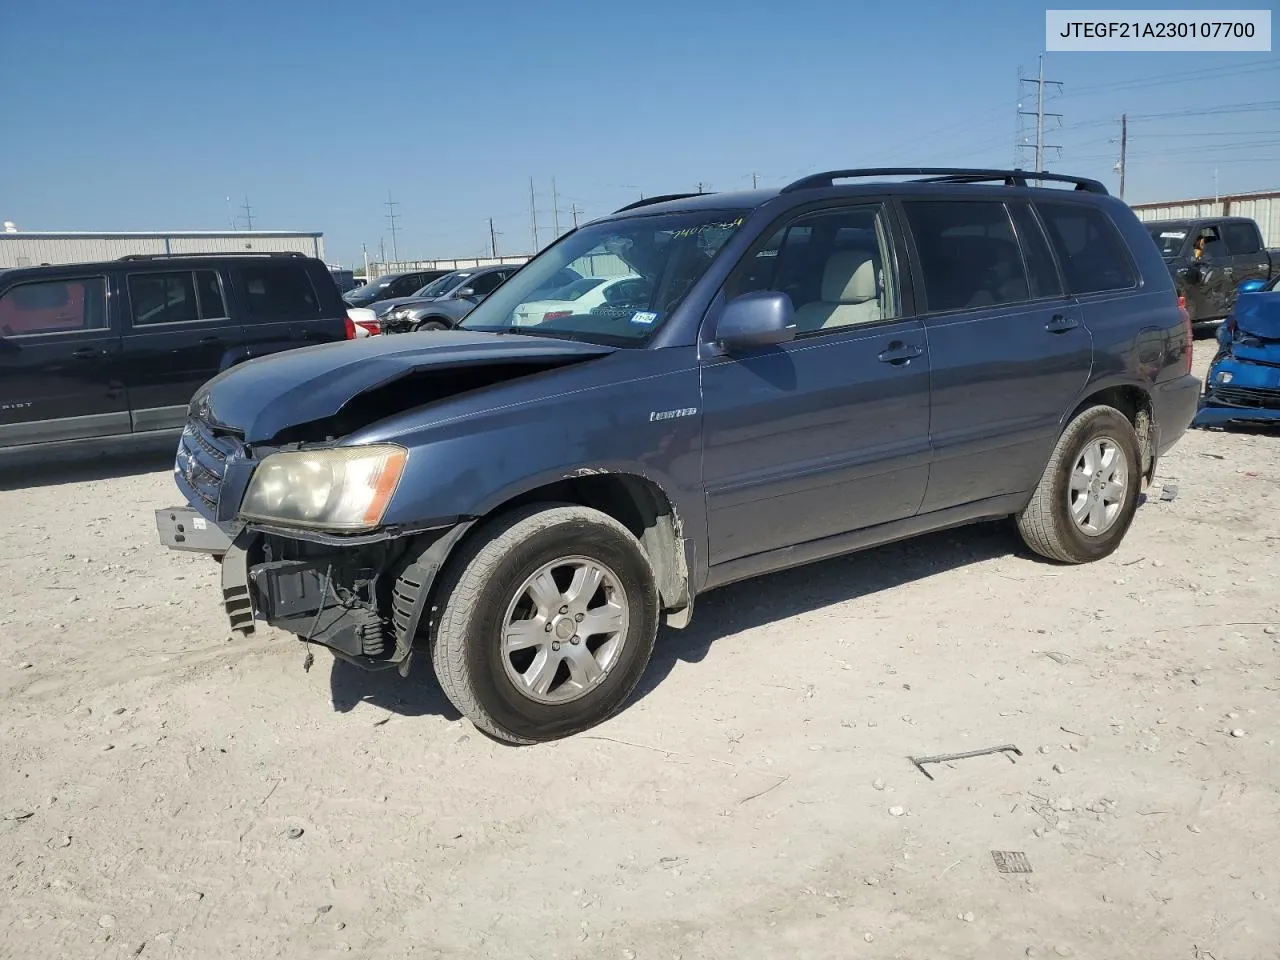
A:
[343,489]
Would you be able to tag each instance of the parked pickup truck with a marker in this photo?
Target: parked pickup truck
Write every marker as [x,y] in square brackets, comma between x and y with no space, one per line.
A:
[1210,257]
[802,372]
[91,353]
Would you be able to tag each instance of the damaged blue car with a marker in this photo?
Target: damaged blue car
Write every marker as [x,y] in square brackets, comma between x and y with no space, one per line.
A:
[1243,383]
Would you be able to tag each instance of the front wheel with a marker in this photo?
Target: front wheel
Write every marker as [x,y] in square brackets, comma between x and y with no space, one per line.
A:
[549,619]
[431,325]
[1086,500]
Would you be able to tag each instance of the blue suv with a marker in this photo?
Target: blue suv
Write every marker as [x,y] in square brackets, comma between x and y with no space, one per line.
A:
[788,375]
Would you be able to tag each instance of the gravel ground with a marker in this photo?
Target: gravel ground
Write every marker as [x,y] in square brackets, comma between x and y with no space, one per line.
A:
[170,792]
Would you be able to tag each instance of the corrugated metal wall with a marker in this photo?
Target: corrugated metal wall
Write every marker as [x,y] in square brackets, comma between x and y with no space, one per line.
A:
[604,265]
[1264,208]
[33,249]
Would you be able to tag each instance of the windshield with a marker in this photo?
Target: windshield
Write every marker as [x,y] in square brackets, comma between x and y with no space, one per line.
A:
[1168,237]
[368,291]
[441,285]
[662,256]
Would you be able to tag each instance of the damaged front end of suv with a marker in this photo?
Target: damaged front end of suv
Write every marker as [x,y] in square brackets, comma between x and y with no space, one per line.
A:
[1243,382]
[314,502]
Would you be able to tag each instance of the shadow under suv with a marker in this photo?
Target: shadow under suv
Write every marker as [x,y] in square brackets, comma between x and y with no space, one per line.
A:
[847,361]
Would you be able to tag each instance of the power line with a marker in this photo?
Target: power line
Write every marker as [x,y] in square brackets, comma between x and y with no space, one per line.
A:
[392,217]
[1181,76]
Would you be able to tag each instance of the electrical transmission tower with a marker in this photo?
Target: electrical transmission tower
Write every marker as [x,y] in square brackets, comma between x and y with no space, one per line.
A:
[392,216]
[1025,142]
[248,213]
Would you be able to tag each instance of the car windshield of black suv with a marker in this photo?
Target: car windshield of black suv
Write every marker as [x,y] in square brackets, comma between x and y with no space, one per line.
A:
[660,256]
[1169,237]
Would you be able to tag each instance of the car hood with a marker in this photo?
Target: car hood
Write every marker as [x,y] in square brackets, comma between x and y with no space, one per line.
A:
[1259,314]
[264,397]
[386,305]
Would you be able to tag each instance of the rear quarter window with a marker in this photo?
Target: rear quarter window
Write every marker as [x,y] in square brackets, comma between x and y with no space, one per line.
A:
[1091,252]
[279,290]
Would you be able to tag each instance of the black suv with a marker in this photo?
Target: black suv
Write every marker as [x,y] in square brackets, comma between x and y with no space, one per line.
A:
[390,286]
[797,373]
[97,350]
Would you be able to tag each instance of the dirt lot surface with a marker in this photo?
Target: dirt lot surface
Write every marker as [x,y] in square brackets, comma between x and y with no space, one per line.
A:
[169,792]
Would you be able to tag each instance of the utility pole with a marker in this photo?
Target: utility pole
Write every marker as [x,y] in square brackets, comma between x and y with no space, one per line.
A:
[533,215]
[364,249]
[382,249]
[574,211]
[391,217]
[1215,184]
[248,212]
[699,187]
[493,240]
[555,208]
[1039,114]
[1124,148]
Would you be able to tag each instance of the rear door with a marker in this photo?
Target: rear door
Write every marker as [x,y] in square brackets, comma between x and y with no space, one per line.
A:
[59,362]
[1249,259]
[1208,298]
[280,308]
[178,334]
[1008,349]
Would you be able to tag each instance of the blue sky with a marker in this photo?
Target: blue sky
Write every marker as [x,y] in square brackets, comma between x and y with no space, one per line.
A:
[147,115]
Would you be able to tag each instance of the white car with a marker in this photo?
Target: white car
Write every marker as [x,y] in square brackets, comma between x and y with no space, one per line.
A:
[580,296]
[364,323]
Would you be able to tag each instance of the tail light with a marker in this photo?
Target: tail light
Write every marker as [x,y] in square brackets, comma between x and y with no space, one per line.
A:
[1187,333]
[556,315]
[372,328]
[350,326]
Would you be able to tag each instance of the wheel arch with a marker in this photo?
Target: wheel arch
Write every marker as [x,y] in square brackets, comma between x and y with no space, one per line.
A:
[1134,401]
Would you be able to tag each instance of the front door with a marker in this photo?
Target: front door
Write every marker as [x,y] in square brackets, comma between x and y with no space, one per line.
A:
[178,334]
[59,362]
[1010,352]
[1211,276]
[828,433]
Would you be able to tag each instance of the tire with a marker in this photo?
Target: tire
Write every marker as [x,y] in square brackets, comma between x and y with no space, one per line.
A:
[431,325]
[485,590]
[1048,524]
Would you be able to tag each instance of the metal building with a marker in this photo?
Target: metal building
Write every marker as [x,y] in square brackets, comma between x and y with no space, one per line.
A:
[22,249]
[1263,207]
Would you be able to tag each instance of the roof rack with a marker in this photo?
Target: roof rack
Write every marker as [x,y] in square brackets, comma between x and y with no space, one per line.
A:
[174,256]
[662,199]
[1010,178]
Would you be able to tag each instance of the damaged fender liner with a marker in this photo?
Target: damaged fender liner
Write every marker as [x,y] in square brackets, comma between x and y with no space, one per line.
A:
[365,601]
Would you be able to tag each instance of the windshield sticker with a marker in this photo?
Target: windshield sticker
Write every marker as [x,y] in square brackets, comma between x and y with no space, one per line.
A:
[643,317]
[704,227]
[1173,235]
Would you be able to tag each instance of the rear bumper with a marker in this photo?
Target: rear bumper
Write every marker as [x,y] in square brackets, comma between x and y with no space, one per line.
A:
[1173,407]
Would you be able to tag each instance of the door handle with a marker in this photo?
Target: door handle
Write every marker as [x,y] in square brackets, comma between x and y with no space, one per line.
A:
[210,339]
[1061,323]
[88,353]
[899,353]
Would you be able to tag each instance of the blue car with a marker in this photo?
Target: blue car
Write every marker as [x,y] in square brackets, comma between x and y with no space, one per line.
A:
[1243,383]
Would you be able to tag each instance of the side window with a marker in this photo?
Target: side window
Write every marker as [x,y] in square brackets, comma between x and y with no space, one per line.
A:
[1041,272]
[54,306]
[1242,238]
[1091,252]
[968,255]
[279,290]
[488,283]
[162,298]
[209,288]
[835,265]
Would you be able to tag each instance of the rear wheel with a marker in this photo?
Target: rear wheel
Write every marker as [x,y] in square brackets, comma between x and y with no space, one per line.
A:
[1087,497]
[548,623]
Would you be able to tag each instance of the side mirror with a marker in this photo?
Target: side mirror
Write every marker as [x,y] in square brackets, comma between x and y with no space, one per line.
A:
[1252,286]
[466,293]
[760,319]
